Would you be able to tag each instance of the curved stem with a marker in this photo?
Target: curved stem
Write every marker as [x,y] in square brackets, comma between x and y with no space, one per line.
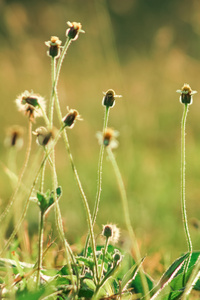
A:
[60,60]
[27,156]
[65,137]
[183,201]
[85,202]
[59,65]
[51,104]
[127,219]
[99,182]
[60,226]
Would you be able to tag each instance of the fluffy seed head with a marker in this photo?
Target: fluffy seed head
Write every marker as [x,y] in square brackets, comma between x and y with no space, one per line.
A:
[111,232]
[31,104]
[108,138]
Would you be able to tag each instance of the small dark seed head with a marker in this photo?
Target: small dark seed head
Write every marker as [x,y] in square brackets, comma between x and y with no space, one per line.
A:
[73,30]
[186,94]
[71,117]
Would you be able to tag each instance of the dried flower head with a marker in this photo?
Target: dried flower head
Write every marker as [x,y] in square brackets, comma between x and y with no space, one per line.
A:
[54,47]
[44,135]
[187,93]
[109,98]
[71,117]
[73,30]
[31,104]
[108,138]
[14,137]
[111,232]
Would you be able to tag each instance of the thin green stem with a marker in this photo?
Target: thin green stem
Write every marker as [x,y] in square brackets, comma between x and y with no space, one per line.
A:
[40,248]
[99,182]
[85,202]
[44,116]
[60,60]
[65,137]
[59,65]
[127,219]
[183,201]
[42,177]
[60,226]
[27,156]
[51,104]
[103,258]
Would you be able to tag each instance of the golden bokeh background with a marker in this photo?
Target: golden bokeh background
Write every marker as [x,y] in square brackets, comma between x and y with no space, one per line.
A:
[145,51]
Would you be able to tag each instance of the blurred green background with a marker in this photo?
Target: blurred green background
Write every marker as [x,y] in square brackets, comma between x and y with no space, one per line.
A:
[144,50]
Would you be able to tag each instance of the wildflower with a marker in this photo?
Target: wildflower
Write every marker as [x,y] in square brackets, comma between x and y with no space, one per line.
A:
[31,104]
[14,137]
[187,93]
[111,231]
[73,30]
[44,135]
[54,47]
[71,117]
[109,98]
[108,138]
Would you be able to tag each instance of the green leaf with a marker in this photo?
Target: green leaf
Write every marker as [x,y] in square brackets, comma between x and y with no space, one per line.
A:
[129,276]
[42,201]
[176,264]
[87,261]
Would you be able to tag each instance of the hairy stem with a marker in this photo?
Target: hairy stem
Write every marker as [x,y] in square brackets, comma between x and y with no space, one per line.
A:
[183,201]
[99,182]
[103,258]
[51,104]
[85,202]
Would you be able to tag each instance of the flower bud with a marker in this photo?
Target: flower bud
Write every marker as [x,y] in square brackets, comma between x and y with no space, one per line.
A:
[71,117]
[116,257]
[43,135]
[54,47]
[186,96]
[73,30]
[109,98]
